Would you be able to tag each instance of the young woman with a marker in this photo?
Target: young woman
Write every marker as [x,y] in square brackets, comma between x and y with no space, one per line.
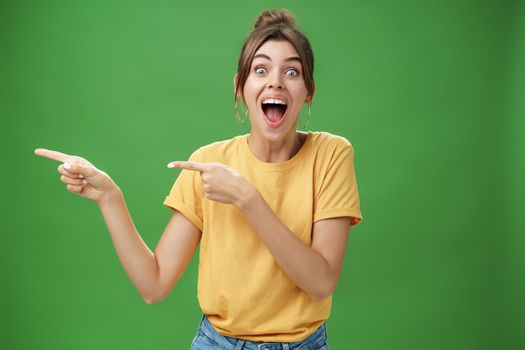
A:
[271,210]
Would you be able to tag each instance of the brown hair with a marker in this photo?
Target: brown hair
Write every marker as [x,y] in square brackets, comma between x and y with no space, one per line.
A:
[278,24]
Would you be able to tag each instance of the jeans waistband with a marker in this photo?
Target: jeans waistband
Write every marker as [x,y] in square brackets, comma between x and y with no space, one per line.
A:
[313,341]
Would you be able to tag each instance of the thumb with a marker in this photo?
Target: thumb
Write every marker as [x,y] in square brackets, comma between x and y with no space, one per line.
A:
[78,169]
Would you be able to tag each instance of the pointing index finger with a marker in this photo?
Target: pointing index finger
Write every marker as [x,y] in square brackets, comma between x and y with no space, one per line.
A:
[195,166]
[54,155]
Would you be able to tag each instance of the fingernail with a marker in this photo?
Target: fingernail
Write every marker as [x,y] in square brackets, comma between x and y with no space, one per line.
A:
[84,181]
[171,165]
[81,176]
[67,166]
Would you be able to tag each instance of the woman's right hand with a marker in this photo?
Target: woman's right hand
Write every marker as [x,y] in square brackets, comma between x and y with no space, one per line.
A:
[82,177]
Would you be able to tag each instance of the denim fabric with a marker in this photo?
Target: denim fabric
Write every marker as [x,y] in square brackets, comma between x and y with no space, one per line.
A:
[207,338]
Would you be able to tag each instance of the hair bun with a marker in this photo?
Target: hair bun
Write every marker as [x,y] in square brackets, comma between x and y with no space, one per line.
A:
[273,17]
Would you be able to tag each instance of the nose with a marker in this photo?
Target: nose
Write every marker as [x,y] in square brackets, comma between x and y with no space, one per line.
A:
[276,82]
[276,85]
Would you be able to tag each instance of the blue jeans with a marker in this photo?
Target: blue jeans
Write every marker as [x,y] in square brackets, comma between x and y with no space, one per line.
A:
[207,338]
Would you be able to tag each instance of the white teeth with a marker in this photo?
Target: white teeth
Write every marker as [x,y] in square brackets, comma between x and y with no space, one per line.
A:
[273,101]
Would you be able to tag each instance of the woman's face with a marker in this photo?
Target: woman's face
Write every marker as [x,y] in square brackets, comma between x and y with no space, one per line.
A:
[275,90]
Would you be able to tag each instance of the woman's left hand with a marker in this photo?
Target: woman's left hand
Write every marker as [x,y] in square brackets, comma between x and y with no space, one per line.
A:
[220,182]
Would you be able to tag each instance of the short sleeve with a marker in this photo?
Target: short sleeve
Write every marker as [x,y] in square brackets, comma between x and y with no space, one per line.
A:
[187,193]
[338,195]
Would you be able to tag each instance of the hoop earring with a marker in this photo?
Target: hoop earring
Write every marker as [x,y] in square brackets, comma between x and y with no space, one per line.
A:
[307,119]
[237,116]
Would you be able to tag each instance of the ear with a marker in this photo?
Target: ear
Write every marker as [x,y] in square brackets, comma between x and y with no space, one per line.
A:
[309,98]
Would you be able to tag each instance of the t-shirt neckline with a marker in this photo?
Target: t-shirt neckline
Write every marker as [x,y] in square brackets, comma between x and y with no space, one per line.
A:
[280,166]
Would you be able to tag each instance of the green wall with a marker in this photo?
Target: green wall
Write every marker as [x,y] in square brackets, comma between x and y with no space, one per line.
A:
[431,95]
[512,226]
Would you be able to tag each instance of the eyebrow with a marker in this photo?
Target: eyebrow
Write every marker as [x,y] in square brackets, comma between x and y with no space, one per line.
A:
[292,58]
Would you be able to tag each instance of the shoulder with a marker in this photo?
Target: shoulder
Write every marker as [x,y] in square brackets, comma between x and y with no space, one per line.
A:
[216,150]
[326,142]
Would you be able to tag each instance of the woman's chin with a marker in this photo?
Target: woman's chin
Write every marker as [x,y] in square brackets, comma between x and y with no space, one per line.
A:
[275,134]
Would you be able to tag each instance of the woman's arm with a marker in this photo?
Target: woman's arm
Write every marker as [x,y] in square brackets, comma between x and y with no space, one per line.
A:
[153,274]
[314,269]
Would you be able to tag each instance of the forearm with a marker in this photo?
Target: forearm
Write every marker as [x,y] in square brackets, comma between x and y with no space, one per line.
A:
[136,258]
[306,267]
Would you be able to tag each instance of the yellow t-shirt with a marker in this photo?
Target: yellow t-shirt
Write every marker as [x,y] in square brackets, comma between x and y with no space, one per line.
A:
[241,288]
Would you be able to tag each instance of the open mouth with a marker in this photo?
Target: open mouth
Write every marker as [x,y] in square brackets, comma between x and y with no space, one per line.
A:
[274,110]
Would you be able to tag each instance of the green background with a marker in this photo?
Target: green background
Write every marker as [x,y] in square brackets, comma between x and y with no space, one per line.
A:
[430,93]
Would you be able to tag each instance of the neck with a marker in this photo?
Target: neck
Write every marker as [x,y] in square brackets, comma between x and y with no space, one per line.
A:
[276,151]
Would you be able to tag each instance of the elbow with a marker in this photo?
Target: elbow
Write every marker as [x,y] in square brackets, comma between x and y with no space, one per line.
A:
[321,294]
[153,299]
[155,294]
[323,291]
[149,300]
[318,297]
